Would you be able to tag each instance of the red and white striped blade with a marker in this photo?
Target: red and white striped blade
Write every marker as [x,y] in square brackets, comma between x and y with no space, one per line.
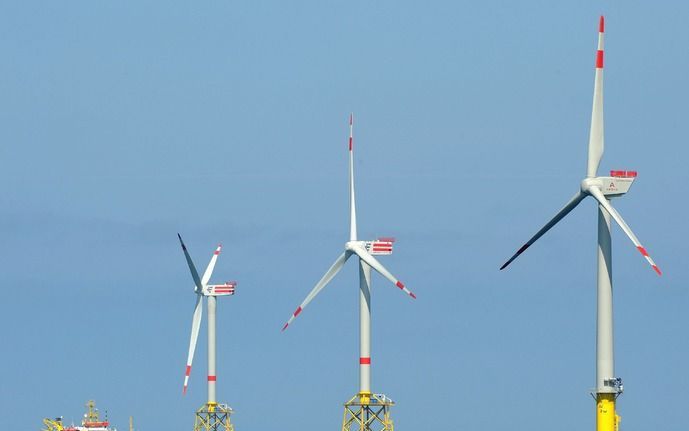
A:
[352,198]
[373,263]
[211,265]
[195,326]
[192,268]
[559,216]
[598,195]
[334,269]
[596,137]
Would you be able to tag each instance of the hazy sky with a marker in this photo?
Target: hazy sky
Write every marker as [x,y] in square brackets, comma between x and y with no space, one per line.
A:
[123,123]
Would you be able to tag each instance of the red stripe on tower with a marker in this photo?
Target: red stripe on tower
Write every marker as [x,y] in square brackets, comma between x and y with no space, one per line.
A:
[212,378]
[365,361]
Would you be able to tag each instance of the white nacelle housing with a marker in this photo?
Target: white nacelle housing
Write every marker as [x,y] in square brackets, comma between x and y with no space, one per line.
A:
[618,183]
[381,246]
[225,289]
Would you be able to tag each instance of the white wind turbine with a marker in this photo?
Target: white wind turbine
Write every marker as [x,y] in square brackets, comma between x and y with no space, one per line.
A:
[210,292]
[364,250]
[602,189]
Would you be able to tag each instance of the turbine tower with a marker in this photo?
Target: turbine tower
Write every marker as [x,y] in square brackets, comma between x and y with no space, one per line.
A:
[602,189]
[212,416]
[365,410]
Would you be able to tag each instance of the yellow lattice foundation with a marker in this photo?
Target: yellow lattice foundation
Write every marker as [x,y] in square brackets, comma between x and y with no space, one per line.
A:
[213,417]
[367,412]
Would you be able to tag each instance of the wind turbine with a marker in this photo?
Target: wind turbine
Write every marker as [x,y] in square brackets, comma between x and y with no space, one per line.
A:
[602,189]
[360,405]
[211,416]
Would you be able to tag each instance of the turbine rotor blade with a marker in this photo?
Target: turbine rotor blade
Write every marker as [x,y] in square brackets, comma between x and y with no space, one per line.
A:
[596,138]
[192,268]
[334,269]
[373,263]
[195,325]
[559,216]
[211,265]
[598,195]
[352,200]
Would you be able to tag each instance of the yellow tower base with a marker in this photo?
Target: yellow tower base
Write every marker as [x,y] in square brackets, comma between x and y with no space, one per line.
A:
[367,412]
[606,417]
[213,417]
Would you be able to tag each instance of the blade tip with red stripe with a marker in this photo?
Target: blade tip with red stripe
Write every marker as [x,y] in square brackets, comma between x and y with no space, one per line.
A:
[601,24]
[645,254]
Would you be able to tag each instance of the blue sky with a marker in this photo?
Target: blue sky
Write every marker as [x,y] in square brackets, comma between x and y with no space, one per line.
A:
[124,123]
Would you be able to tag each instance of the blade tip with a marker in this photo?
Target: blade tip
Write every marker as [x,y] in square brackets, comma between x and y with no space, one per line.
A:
[601,24]
[657,270]
[412,295]
[284,327]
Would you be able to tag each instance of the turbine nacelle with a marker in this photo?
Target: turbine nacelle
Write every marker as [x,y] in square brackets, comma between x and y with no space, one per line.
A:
[616,185]
[380,246]
[225,289]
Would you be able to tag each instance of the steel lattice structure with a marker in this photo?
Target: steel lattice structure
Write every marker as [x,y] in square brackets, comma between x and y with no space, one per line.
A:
[368,413]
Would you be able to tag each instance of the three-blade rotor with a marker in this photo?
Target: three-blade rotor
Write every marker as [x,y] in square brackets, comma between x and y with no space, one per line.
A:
[592,185]
[353,246]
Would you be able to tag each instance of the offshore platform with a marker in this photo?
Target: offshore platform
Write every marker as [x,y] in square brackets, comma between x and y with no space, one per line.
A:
[90,422]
